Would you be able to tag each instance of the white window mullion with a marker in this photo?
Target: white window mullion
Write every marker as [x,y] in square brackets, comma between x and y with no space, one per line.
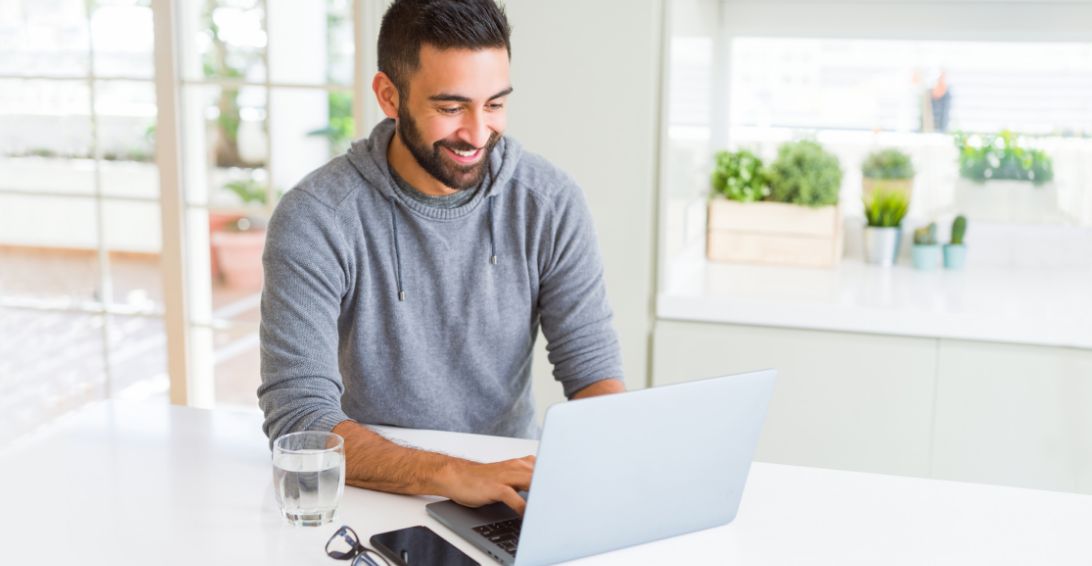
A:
[106,293]
[172,209]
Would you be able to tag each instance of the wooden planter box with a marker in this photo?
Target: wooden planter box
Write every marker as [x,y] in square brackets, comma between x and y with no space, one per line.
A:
[1008,201]
[774,233]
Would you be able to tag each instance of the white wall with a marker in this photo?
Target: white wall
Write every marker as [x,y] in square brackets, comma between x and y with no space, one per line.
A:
[586,76]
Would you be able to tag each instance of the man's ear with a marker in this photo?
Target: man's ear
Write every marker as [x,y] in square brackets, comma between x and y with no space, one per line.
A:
[386,94]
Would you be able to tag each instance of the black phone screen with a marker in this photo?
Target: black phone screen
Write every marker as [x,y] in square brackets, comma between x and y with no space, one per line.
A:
[419,546]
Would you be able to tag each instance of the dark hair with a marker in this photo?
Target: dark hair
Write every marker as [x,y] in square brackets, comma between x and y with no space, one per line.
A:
[444,24]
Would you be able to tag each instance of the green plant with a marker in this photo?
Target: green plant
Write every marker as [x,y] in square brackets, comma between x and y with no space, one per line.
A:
[926,235]
[1001,156]
[959,230]
[339,130]
[805,174]
[886,208]
[887,164]
[740,176]
[248,190]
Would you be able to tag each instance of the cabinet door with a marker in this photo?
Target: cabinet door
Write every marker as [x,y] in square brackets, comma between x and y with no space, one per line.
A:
[842,400]
[1014,415]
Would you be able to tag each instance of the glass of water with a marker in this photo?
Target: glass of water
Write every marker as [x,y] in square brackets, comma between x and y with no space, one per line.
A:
[309,476]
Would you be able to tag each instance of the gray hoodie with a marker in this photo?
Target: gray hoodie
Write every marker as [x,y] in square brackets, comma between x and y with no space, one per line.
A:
[385,310]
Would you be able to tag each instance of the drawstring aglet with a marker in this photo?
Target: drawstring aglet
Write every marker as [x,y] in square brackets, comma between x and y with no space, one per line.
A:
[401,295]
[493,260]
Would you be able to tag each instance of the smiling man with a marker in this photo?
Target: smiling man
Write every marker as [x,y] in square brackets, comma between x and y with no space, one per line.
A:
[406,281]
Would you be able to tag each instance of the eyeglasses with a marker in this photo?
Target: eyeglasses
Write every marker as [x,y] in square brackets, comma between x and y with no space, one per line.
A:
[345,545]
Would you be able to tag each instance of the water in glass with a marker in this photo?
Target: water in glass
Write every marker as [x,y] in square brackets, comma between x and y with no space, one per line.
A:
[308,478]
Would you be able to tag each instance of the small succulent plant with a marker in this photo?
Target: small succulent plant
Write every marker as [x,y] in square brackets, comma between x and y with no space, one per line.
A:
[926,235]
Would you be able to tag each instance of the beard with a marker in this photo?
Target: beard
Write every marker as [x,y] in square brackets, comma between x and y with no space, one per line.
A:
[441,167]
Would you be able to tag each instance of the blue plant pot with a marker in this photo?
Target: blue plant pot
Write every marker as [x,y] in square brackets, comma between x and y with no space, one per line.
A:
[926,258]
[955,255]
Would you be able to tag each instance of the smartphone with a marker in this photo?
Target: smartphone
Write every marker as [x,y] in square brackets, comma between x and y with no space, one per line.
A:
[419,546]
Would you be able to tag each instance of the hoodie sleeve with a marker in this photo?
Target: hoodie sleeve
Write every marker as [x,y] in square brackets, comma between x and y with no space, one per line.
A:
[306,275]
[576,318]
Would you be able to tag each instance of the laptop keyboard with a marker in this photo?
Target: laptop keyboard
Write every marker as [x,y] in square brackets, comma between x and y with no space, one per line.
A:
[504,534]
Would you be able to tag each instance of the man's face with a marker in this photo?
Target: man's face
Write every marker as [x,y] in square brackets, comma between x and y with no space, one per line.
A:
[455,112]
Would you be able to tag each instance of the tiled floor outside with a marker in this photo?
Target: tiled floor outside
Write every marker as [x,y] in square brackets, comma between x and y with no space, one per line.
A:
[51,354]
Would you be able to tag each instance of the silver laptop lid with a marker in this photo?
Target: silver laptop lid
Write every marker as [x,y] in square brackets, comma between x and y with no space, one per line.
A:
[620,470]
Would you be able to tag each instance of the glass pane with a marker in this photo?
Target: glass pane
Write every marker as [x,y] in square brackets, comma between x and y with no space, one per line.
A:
[225,39]
[311,42]
[133,237]
[226,145]
[307,128]
[44,38]
[50,363]
[123,38]
[225,254]
[47,250]
[340,46]
[138,358]
[126,115]
[45,136]
[999,132]
[236,365]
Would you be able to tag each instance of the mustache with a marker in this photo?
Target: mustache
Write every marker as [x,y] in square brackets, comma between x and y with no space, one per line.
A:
[463,146]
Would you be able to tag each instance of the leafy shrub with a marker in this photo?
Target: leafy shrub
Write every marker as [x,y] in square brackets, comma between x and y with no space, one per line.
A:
[740,176]
[805,174]
[887,164]
[1001,157]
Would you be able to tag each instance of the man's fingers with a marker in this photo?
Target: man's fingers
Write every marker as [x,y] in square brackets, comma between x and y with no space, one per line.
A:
[513,500]
[522,484]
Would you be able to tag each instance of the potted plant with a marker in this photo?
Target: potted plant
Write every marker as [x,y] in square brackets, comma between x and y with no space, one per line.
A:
[955,251]
[888,169]
[884,211]
[926,251]
[238,242]
[783,214]
[1002,180]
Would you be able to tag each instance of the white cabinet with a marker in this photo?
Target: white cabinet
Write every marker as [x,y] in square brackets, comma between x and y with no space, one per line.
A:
[848,401]
[951,409]
[1014,415]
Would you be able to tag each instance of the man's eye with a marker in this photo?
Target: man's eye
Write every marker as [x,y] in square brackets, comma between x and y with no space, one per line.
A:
[495,106]
[449,109]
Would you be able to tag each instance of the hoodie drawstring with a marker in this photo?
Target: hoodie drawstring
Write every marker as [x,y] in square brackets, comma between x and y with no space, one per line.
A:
[397,253]
[492,236]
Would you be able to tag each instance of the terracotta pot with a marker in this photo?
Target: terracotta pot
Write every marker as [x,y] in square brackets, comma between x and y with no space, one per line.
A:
[218,222]
[240,258]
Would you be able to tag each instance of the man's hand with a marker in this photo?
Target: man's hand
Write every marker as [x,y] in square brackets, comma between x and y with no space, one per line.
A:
[473,484]
[373,462]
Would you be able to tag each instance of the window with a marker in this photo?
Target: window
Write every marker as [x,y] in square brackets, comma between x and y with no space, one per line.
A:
[267,90]
[861,76]
[81,307]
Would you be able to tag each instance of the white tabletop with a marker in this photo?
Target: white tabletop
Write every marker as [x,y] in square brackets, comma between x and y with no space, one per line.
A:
[134,483]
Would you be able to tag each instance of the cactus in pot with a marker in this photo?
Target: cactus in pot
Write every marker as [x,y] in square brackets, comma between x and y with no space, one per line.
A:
[955,251]
[926,252]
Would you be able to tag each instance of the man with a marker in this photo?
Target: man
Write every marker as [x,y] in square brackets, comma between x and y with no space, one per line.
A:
[406,280]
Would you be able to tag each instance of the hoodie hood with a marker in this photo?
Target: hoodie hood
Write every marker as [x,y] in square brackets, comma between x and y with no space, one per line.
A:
[369,157]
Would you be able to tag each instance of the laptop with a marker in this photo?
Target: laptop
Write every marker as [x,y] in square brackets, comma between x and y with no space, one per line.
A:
[619,470]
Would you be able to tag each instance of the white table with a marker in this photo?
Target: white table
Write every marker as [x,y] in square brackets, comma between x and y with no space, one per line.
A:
[130,483]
